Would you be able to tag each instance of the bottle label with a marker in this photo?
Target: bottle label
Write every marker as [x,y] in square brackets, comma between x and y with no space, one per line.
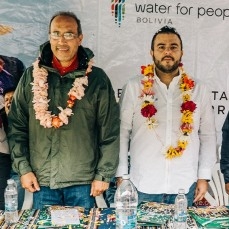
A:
[11,203]
[180,216]
[126,219]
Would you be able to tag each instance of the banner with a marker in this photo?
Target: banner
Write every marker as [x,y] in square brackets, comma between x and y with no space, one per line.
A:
[120,33]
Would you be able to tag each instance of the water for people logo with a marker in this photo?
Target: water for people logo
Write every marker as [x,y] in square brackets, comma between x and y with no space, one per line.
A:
[118,10]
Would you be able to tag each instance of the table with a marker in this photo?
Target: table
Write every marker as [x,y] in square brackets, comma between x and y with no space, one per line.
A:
[101,218]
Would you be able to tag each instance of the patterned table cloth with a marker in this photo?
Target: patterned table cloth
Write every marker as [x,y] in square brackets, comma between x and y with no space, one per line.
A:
[89,218]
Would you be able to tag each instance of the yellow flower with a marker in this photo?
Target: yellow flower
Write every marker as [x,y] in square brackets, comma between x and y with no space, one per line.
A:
[186,97]
[171,153]
[182,87]
[182,144]
[146,103]
[187,117]
[148,70]
[148,84]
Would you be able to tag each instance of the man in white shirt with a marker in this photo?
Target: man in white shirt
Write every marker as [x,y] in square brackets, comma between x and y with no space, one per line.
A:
[167,127]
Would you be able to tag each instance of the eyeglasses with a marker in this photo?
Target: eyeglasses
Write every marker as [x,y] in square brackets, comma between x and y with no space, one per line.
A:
[67,36]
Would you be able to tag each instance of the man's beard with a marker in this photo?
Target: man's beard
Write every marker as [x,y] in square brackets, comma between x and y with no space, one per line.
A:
[166,69]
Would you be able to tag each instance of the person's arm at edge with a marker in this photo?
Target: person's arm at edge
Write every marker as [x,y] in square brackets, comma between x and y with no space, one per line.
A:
[207,134]
[224,161]
[18,136]
[109,131]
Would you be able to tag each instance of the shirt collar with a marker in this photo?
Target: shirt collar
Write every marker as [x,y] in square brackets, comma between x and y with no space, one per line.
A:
[64,70]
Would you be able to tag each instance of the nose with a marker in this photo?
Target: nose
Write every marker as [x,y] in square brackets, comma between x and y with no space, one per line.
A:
[62,39]
[168,50]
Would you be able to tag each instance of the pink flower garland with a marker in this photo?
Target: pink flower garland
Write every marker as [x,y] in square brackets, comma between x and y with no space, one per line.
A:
[40,99]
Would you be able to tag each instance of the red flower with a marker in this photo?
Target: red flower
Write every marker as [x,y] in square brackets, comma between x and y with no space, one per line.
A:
[72,97]
[188,105]
[70,103]
[148,111]
[189,83]
[142,69]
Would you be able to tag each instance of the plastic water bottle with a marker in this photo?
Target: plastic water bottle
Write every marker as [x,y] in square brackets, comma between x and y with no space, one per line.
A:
[180,215]
[11,202]
[126,201]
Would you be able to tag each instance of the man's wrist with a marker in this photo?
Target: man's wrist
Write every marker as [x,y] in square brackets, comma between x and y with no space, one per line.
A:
[102,178]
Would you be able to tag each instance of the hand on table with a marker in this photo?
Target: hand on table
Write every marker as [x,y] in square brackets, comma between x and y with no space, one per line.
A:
[98,187]
[29,182]
[201,189]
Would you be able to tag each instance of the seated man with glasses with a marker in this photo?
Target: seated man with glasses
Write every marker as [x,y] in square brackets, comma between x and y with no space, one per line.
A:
[60,122]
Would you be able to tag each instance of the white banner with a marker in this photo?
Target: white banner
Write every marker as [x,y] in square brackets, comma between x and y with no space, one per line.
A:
[120,32]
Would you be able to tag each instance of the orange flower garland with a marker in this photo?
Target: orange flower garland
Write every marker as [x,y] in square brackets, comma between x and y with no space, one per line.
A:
[148,108]
[40,98]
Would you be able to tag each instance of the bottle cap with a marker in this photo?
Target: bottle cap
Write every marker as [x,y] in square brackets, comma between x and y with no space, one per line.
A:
[181,191]
[126,176]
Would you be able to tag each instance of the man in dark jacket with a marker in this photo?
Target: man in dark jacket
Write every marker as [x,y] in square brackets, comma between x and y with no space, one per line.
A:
[224,161]
[65,137]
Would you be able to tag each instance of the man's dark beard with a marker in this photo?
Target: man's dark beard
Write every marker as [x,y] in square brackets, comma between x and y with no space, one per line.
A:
[164,69]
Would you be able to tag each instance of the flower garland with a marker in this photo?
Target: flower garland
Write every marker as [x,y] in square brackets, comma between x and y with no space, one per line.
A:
[148,109]
[40,99]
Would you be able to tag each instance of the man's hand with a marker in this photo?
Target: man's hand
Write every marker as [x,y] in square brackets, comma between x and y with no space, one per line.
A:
[227,188]
[98,187]
[29,182]
[201,189]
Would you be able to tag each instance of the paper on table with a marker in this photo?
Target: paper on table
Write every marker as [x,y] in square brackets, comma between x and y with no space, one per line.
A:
[65,217]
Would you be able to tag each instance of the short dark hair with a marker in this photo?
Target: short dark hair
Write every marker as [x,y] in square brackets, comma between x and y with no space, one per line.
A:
[166,30]
[9,89]
[67,14]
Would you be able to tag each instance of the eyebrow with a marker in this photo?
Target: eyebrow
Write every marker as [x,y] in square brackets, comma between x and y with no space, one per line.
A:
[174,44]
[56,31]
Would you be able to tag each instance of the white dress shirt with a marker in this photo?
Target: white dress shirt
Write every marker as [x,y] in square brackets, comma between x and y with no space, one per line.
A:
[150,171]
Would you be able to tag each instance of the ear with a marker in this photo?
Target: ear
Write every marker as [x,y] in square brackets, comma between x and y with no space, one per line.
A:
[151,52]
[80,38]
